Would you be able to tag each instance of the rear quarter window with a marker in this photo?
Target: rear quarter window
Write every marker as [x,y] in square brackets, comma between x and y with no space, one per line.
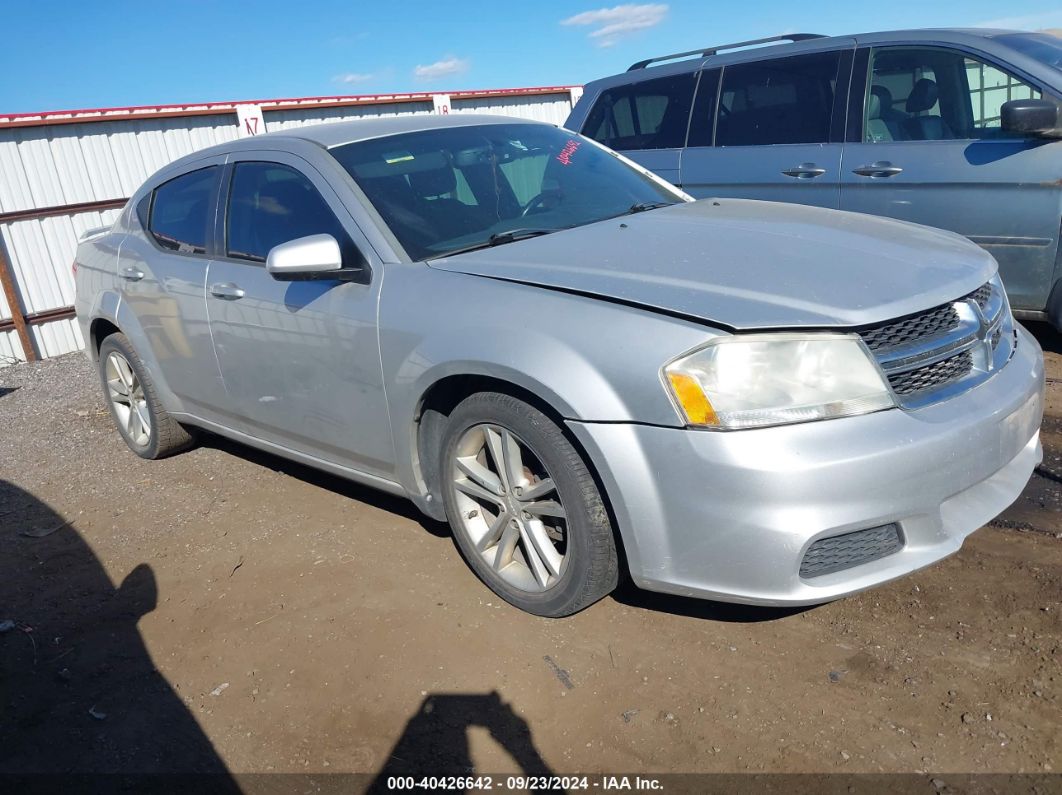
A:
[651,114]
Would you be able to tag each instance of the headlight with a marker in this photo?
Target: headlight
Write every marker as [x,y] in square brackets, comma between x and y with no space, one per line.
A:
[750,381]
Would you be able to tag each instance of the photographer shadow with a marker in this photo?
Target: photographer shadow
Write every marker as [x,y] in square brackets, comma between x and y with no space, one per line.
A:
[435,740]
[79,693]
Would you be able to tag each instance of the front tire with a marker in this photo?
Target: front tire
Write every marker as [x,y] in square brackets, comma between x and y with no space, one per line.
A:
[144,424]
[525,511]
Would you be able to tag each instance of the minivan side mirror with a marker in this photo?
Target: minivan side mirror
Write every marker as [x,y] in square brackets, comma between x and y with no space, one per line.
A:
[1031,117]
[311,257]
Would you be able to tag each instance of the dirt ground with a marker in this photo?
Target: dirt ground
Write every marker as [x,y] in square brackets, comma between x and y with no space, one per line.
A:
[227,610]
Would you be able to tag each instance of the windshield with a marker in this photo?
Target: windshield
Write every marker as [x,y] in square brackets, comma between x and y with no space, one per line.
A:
[456,188]
[1043,47]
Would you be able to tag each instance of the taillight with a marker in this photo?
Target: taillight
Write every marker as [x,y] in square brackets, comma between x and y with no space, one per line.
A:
[73,268]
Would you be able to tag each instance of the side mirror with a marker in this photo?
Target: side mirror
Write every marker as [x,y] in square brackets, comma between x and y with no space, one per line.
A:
[311,257]
[1031,117]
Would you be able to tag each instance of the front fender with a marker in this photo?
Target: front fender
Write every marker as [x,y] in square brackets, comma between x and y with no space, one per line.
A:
[590,360]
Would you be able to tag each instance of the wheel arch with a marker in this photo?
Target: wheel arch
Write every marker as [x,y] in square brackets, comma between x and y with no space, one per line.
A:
[99,329]
[430,421]
[111,315]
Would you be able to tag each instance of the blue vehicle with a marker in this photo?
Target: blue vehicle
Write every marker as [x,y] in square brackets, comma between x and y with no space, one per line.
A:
[957,129]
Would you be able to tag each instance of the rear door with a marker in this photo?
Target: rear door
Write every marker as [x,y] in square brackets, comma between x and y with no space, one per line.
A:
[162,274]
[646,121]
[925,145]
[770,129]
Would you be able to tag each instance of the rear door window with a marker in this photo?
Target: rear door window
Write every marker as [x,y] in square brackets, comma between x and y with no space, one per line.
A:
[652,114]
[779,101]
[270,204]
[180,212]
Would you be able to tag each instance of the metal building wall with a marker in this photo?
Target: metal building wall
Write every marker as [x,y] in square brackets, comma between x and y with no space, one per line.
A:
[550,107]
[287,119]
[51,161]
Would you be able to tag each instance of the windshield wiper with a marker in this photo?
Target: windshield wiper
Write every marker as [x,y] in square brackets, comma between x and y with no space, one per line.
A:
[641,207]
[498,239]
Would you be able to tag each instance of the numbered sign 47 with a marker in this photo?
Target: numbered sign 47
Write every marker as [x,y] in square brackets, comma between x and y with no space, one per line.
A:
[250,121]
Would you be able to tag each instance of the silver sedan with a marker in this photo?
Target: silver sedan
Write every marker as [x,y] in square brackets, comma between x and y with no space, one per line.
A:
[586,373]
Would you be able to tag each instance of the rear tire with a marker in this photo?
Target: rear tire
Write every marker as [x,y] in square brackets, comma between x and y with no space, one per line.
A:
[143,423]
[525,511]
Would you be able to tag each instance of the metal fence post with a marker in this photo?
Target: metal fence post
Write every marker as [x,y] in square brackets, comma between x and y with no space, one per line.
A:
[17,318]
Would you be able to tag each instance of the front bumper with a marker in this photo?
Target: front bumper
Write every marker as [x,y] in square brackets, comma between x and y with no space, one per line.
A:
[729,515]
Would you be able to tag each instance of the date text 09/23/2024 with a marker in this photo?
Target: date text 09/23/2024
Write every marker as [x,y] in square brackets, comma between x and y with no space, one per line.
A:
[523,783]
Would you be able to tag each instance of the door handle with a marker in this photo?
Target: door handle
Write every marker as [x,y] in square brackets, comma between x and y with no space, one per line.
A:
[883,168]
[227,291]
[132,274]
[805,171]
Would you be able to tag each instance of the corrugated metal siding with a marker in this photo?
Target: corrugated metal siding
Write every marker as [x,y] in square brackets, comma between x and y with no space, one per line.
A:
[552,108]
[10,350]
[61,164]
[287,119]
[57,337]
[41,250]
[75,163]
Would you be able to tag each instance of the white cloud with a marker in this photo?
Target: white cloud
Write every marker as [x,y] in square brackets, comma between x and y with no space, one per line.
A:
[613,24]
[447,67]
[350,78]
[1046,19]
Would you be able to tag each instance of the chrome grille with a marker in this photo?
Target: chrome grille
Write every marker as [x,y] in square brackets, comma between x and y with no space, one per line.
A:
[943,351]
[981,295]
[899,332]
[932,375]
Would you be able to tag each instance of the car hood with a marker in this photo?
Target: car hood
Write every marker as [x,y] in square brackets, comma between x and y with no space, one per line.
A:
[745,264]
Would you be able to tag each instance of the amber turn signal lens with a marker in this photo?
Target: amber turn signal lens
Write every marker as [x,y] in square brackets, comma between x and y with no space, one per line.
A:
[692,399]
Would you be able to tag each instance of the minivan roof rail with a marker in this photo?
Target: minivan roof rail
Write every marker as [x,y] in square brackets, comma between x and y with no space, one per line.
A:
[713,50]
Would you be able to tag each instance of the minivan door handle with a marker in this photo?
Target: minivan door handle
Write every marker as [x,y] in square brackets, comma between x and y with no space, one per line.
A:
[805,171]
[883,168]
[227,291]
[132,274]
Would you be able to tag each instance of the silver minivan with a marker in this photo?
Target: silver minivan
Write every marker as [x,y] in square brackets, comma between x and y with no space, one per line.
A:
[957,129]
[584,371]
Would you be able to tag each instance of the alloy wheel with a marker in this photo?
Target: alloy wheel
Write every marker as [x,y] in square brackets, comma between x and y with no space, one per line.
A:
[509,507]
[126,394]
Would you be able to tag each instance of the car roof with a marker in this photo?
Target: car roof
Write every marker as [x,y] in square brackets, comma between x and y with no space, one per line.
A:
[970,36]
[330,134]
[345,132]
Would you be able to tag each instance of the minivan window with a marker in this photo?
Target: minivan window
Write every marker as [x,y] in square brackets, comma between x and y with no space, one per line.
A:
[936,94]
[703,117]
[652,114]
[780,101]
[179,213]
[270,204]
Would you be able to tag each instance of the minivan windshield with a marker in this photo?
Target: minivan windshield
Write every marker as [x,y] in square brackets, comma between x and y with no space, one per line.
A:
[1043,47]
[459,188]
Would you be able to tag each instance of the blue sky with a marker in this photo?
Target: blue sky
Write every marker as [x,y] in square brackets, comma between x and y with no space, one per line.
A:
[76,54]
